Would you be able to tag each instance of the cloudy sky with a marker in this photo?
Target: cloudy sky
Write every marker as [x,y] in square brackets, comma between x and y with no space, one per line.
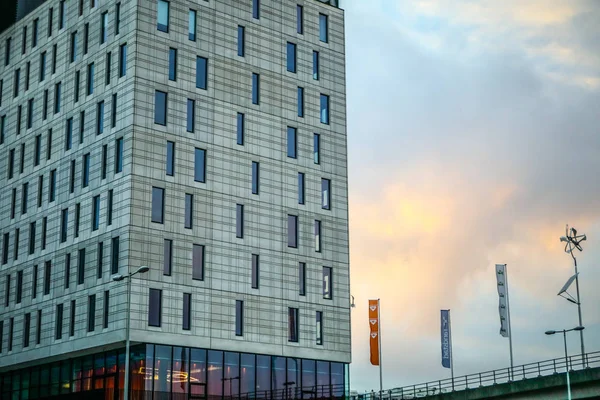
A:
[474,137]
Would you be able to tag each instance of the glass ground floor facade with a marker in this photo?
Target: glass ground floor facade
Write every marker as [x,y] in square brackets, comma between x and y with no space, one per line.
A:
[171,372]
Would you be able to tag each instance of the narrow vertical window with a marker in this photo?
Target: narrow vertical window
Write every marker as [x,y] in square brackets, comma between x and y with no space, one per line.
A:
[7,292]
[106,308]
[99,259]
[291,57]
[118,155]
[327,283]
[11,162]
[1,334]
[42,66]
[316,65]
[198,262]
[34,32]
[172,64]
[317,148]
[37,150]
[300,101]
[16,252]
[189,211]
[117,18]
[5,243]
[240,129]
[192,25]
[200,165]
[239,230]
[32,237]
[81,267]
[2,128]
[167,256]
[69,134]
[160,108]
[95,213]
[52,188]
[319,327]
[72,319]
[24,40]
[123,60]
[325,109]
[19,293]
[325,194]
[86,34]
[19,118]
[34,280]
[113,111]
[300,19]
[114,256]
[7,52]
[44,229]
[91,313]
[323,28]
[24,198]
[90,79]
[85,177]
[57,89]
[317,236]
[50,20]
[16,82]
[73,54]
[187,311]
[293,324]
[40,190]
[191,107]
[239,318]
[300,188]
[170,158]
[302,279]
[291,142]
[163,16]
[11,327]
[81,126]
[54,55]
[38,329]
[241,44]
[104,27]
[47,276]
[158,205]
[109,207]
[100,118]
[64,222]
[45,105]
[201,72]
[255,271]
[67,270]
[293,231]
[107,68]
[27,74]
[26,329]
[76,86]
[255,177]
[104,163]
[13,203]
[255,88]
[29,113]
[155,307]
[58,322]
[256,9]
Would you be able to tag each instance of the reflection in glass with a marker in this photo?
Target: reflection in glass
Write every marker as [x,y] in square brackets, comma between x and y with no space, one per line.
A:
[323,379]
[215,373]
[197,372]
[162,371]
[293,383]
[309,378]
[179,373]
[279,380]
[231,380]
[337,379]
[263,376]
[247,373]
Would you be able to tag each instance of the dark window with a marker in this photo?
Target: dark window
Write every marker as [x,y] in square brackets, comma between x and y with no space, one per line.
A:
[81,126]
[118,155]
[189,210]
[95,212]
[47,276]
[5,242]
[52,186]
[67,270]
[73,55]
[19,293]
[323,28]
[7,291]
[198,262]
[167,257]
[38,329]
[64,224]
[34,280]
[106,308]
[300,101]
[72,177]
[100,118]
[16,253]
[86,33]
[2,128]
[16,82]
[69,134]
[85,180]
[155,307]
[187,311]
[90,79]
[201,72]
[91,313]
[24,40]
[77,217]
[163,16]
[191,107]
[255,177]
[239,318]
[255,88]
[300,188]
[160,108]
[117,18]
[123,60]
[11,326]
[299,19]
[81,267]
[13,203]
[45,105]
[19,118]
[99,259]
[104,27]
[1,334]
[239,230]
[192,25]
[324,109]
[57,88]
[58,322]
[26,329]
[1,90]
[29,113]
[256,9]
[107,68]
[316,65]
[44,228]
[72,319]
[37,150]
[291,57]
[200,165]
[325,194]
[34,33]
[7,51]
[317,236]
[42,66]
[113,114]
[54,54]
[319,326]
[291,142]
[327,283]
[32,237]
[255,271]
[104,163]
[109,207]
[11,162]
[158,205]
[50,20]
[240,129]
[302,279]
[24,198]
[170,158]
[293,324]
[114,256]
[293,231]
[241,44]
[172,64]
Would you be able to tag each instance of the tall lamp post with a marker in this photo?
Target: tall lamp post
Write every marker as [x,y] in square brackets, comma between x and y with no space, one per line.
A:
[118,278]
[573,242]
[564,332]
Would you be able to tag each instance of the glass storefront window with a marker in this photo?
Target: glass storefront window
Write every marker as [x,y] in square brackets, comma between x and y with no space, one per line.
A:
[247,374]
[34,384]
[65,377]
[215,373]
[99,371]
[279,381]
[294,381]
[76,375]
[197,372]
[309,379]
[54,379]
[180,372]
[231,378]
[263,376]
[323,379]
[337,380]
[87,371]
[111,363]
[162,372]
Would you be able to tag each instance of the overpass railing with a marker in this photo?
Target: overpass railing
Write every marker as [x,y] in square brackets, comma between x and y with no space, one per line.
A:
[488,378]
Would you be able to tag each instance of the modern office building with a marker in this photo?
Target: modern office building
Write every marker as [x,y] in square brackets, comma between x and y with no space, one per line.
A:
[205,140]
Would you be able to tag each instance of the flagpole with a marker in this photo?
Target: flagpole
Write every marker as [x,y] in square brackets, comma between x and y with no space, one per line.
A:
[379,339]
[451,352]
[509,322]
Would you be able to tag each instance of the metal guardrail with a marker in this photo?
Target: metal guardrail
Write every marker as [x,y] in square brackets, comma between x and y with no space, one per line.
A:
[488,378]
[295,393]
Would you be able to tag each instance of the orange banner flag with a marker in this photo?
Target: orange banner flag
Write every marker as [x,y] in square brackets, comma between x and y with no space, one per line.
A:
[374,330]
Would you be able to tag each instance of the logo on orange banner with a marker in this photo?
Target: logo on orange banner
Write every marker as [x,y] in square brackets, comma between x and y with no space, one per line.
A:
[374,331]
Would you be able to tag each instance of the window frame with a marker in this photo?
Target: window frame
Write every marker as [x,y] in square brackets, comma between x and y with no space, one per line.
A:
[158,205]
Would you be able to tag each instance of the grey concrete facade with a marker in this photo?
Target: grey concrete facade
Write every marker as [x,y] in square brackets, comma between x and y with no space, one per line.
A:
[228,259]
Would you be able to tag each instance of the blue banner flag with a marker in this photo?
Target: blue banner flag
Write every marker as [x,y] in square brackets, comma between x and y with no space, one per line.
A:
[446,351]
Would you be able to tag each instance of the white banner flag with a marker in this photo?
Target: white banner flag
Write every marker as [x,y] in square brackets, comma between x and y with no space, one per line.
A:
[503,304]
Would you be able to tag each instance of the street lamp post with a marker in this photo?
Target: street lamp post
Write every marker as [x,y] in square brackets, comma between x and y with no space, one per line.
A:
[564,332]
[118,278]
